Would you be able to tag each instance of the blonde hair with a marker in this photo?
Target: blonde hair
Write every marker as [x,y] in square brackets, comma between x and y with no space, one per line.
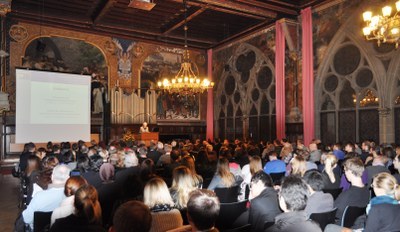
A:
[87,205]
[182,183]
[255,164]
[331,157]
[156,192]
[299,166]
[188,161]
[355,166]
[227,178]
[388,183]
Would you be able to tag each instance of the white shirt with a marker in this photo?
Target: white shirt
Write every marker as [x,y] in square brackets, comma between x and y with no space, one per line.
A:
[65,209]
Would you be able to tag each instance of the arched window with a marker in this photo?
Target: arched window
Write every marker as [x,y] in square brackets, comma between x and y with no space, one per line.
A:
[246,93]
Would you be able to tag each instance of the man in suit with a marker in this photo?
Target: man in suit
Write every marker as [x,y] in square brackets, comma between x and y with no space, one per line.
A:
[263,201]
[318,202]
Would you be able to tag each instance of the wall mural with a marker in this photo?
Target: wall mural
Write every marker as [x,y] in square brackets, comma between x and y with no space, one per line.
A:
[166,63]
[59,54]
[329,22]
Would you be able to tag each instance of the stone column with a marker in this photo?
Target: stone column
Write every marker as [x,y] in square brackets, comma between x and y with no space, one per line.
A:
[386,125]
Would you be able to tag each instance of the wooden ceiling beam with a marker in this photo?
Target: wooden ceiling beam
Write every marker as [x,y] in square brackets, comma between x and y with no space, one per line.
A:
[230,10]
[181,21]
[273,7]
[103,11]
[239,7]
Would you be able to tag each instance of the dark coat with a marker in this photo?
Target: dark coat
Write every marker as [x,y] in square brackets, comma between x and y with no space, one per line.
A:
[263,208]
[383,217]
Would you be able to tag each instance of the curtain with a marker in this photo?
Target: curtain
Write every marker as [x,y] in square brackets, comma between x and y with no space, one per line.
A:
[280,80]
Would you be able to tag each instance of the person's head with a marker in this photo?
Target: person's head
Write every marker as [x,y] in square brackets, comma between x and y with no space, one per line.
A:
[167,148]
[49,162]
[68,157]
[188,161]
[132,216]
[294,194]
[313,147]
[223,171]
[386,184]
[255,164]
[202,209]
[175,156]
[337,146]
[87,205]
[60,174]
[73,184]
[330,161]
[156,192]
[145,125]
[272,155]
[366,146]
[299,165]
[106,172]
[83,164]
[183,183]
[130,159]
[353,168]
[259,182]
[314,179]
[349,147]
[33,164]
[396,162]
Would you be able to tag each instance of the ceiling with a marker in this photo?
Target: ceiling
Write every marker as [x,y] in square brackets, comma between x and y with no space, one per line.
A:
[211,23]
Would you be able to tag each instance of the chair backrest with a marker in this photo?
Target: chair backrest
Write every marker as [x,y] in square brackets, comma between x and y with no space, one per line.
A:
[227,195]
[277,177]
[325,218]
[41,221]
[228,214]
[244,228]
[350,214]
[334,192]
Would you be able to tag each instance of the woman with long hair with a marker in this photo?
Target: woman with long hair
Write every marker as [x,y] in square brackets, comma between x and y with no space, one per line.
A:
[182,184]
[66,207]
[330,174]
[188,162]
[223,178]
[87,215]
[298,166]
[164,214]
[30,176]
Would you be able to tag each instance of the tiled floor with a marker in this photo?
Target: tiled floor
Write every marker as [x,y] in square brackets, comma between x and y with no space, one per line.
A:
[8,202]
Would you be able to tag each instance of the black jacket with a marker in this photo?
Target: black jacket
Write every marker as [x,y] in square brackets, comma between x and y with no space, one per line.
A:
[383,217]
[263,208]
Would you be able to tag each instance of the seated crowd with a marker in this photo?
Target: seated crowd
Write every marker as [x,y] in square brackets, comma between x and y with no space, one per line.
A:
[183,186]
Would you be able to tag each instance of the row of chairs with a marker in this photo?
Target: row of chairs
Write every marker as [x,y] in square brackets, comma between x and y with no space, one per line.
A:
[350,214]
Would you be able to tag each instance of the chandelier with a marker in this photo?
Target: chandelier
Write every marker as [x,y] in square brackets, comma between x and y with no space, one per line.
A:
[185,82]
[384,28]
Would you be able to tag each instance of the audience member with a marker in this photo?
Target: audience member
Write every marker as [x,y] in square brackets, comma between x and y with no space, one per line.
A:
[223,178]
[358,193]
[318,202]
[50,198]
[331,172]
[66,207]
[293,200]
[164,216]
[274,165]
[263,201]
[132,216]
[87,215]
[182,184]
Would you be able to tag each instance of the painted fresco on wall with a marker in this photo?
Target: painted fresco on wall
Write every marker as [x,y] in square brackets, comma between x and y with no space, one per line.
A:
[169,107]
[326,23]
[124,53]
[59,54]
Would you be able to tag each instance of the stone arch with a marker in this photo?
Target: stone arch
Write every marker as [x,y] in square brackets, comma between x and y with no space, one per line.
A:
[251,94]
[346,35]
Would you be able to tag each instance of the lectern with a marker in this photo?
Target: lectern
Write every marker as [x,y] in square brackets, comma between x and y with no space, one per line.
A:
[147,137]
